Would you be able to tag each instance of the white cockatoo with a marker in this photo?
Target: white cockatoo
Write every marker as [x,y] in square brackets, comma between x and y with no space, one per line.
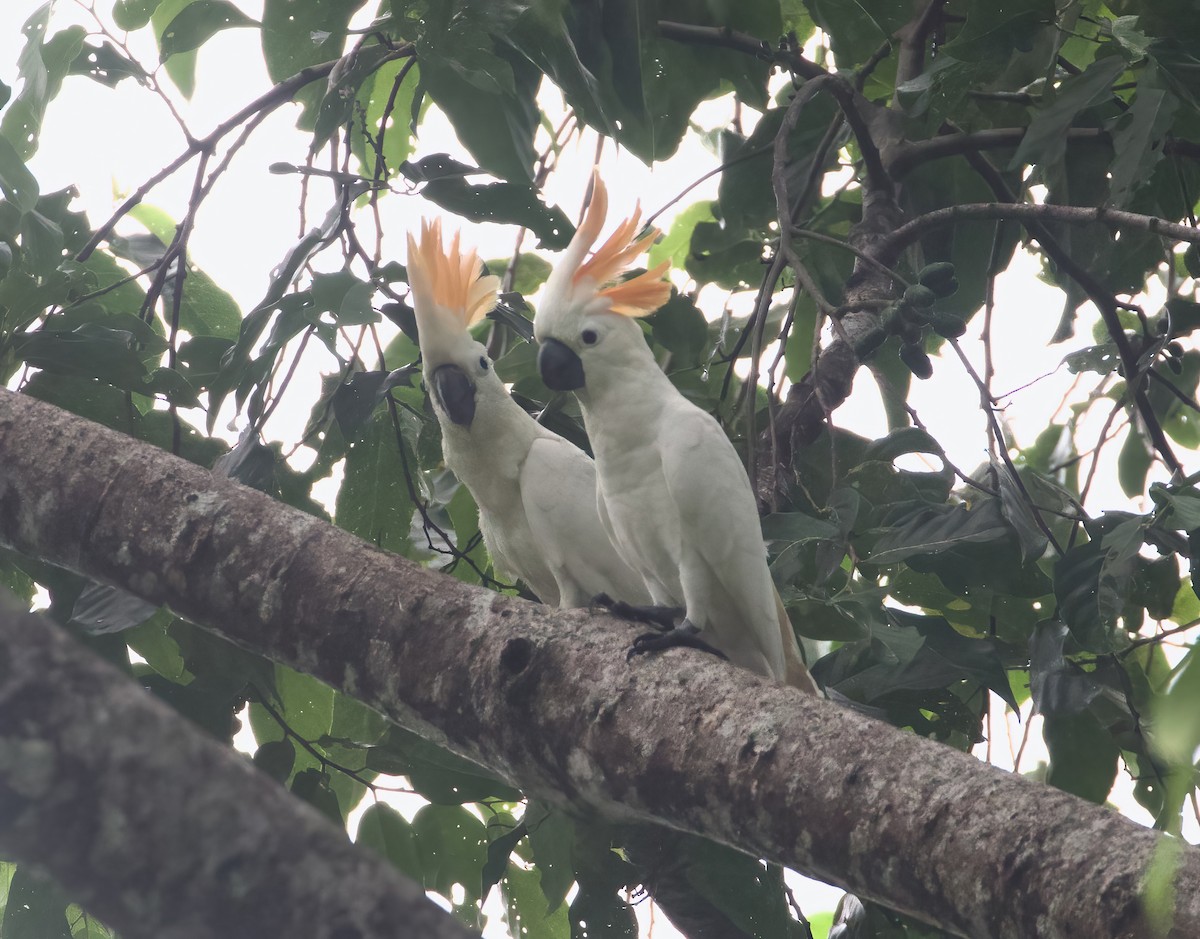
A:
[672,491]
[536,492]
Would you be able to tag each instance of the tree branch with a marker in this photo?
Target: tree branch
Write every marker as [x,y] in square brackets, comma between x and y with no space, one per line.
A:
[907,155]
[546,699]
[162,831]
[1113,219]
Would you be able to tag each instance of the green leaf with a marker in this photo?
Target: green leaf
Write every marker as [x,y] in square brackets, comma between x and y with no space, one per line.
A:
[1176,716]
[374,502]
[488,97]
[934,528]
[1083,755]
[107,405]
[36,907]
[504,834]
[356,723]
[1058,688]
[206,309]
[1101,359]
[946,651]
[453,846]
[16,182]
[442,777]
[603,914]
[504,203]
[798,527]
[526,911]
[306,704]
[680,327]
[994,31]
[856,29]
[1183,506]
[731,259]
[531,272]
[91,351]
[386,831]
[198,22]
[312,785]
[1124,30]
[356,398]
[901,442]
[346,296]
[297,35]
[551,837]
[340,104]
[1045,142]
[181,67]
[42,241]
[101,609]
[1138,137]
[1015,503]
[397,133]
[941,183]
[1091,583]
[746,194]
[276,758]
[676,243]
[1133,464]
[42,65]
[130,15]
[106,64]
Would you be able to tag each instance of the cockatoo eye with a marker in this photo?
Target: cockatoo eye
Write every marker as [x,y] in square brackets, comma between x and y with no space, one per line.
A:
[589,337]
[483,362]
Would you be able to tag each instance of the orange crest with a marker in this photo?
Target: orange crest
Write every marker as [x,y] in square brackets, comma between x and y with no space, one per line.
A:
[637,296]
[451,278]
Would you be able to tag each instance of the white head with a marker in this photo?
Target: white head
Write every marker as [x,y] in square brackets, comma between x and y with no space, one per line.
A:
[449,297]
[584,317]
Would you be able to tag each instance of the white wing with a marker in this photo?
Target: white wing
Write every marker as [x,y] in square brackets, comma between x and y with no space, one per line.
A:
[558,491]
[723,567]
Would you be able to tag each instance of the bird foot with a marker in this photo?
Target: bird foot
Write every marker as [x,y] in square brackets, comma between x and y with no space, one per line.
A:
[685,634]
[660,617]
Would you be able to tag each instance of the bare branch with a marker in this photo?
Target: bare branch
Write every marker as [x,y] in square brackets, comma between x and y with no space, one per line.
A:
[907,155]
[1113,219]
[279,95]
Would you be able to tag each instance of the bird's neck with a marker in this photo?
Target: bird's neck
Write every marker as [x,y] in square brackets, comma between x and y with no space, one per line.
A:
[627,396]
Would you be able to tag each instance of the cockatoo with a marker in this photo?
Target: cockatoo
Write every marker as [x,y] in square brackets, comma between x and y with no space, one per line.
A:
[536,491]
[672,491]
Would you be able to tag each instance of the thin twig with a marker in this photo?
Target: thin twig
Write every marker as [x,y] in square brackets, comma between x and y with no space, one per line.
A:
[277,96]
[989,412]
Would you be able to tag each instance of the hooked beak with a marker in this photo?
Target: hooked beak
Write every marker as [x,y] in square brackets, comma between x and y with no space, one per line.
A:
[455,393]
[561,368]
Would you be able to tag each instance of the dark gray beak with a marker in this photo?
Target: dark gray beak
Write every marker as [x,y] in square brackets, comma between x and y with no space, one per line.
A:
[455,393]
[561,368]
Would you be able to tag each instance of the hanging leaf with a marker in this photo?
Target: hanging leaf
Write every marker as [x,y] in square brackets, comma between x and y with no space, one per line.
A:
[198,22]
[504,203]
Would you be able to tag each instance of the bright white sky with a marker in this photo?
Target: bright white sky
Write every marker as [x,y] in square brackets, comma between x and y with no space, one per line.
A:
[107,143]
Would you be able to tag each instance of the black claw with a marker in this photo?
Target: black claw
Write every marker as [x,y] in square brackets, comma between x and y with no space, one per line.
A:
[601,600]
[660,617]
[685,635]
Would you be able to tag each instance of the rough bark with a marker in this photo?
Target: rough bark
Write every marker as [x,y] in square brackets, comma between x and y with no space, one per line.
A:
[545,699]
[162,831]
